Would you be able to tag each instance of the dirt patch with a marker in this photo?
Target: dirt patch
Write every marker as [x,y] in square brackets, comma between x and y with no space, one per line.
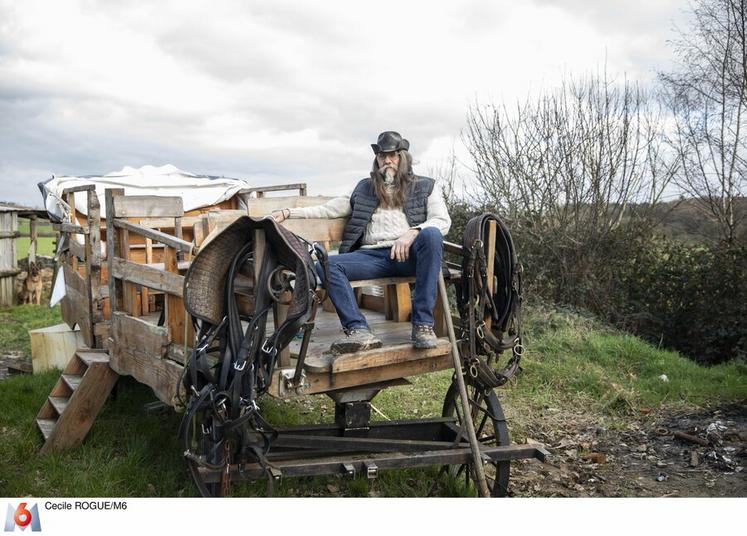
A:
[640,456]
[13,363]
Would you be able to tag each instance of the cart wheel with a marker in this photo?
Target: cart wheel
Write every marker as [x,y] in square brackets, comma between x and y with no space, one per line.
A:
[490,429]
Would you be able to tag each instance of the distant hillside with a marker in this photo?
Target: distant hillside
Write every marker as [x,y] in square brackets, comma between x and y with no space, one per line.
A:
[684,220]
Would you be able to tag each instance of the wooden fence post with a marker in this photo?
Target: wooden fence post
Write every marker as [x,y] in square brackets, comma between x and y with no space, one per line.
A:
[8,266]
[32,238]
[112,248]
[93,267]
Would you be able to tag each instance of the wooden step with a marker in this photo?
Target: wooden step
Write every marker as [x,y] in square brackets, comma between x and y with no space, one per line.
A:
[59,403]
[90,357]
[72,380]
[46,426]
[387,355]
[90,378]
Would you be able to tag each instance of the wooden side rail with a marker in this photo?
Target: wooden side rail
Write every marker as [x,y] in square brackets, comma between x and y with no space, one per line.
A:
[83,304]
[164,238]
[81,188]
[260,191]
[131,284]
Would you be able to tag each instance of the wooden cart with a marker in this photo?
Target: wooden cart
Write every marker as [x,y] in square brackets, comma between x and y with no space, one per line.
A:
[131,310]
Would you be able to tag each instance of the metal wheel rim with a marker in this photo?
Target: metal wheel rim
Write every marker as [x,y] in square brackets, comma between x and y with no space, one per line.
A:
[491,430]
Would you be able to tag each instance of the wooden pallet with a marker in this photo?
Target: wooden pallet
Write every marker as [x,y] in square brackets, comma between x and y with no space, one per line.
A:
[76,399]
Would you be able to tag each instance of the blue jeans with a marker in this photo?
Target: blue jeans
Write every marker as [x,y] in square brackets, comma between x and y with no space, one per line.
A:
[424,262]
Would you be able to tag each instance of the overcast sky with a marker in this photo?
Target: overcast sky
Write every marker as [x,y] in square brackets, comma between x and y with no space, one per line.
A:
[286,91]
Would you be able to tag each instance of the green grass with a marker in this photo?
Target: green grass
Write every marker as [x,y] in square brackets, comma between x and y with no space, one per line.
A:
[131,453]
[570,356]
[571,361]
[16,321]
[44,245]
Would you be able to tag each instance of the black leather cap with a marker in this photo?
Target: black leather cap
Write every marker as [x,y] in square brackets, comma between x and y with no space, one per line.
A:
[390,141]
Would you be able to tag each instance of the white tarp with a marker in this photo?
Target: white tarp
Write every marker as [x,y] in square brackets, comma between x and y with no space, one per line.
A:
[195,190]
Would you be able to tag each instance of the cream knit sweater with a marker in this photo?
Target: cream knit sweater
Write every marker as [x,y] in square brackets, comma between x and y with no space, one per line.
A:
[386,225]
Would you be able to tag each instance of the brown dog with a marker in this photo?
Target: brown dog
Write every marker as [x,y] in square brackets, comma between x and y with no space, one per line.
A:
[34,284]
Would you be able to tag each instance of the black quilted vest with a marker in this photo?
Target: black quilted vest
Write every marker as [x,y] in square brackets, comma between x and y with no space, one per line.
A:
[364,202]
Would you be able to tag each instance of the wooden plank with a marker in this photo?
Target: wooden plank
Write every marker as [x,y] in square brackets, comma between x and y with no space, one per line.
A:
[220,220]
[76,302]
[91,355]
[144,290]
[72,380]
[46,426]
[59,403]
[175,312]
[168,223]
[143,274]
[10,272]
[147,206]
[383,281]
[374,303]
[264,206]
[8,259]
[300,186]
[439,320]
[93,260]
[32,239]
[129,290]
[77,249]
[317,229]
[113,246]
[72,228]
[158,236]
[81,188]
[324,381]
[401,302]
[379,357]
[138,335]
[198,231]
[280,314]
[178,233]
[451,247]
[137,349]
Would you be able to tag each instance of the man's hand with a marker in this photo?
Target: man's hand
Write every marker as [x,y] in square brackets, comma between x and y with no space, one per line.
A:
[280,215]
[401,248]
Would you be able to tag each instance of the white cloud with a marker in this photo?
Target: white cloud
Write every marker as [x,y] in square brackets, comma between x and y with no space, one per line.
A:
[283,91]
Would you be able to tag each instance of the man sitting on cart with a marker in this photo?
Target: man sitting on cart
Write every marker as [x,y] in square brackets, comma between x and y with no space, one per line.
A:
[397,221]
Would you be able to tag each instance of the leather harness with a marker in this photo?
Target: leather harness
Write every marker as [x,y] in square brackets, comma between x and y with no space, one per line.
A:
[226,393]
[491,320]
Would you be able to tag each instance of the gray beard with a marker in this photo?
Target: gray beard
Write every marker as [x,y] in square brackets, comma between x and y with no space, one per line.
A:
[389,176]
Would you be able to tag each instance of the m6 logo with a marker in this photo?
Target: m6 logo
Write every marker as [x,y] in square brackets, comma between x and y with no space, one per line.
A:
[22,518]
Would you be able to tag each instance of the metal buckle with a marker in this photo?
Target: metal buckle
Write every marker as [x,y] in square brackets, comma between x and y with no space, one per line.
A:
[480,331]
[372,471]
[272,350]
[349,469]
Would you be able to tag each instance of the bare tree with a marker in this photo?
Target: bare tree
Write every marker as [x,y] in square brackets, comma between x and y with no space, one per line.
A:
[569,168]
[707,96]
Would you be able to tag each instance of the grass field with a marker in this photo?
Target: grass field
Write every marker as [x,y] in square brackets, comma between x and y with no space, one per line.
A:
[45,245]
[571,362]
